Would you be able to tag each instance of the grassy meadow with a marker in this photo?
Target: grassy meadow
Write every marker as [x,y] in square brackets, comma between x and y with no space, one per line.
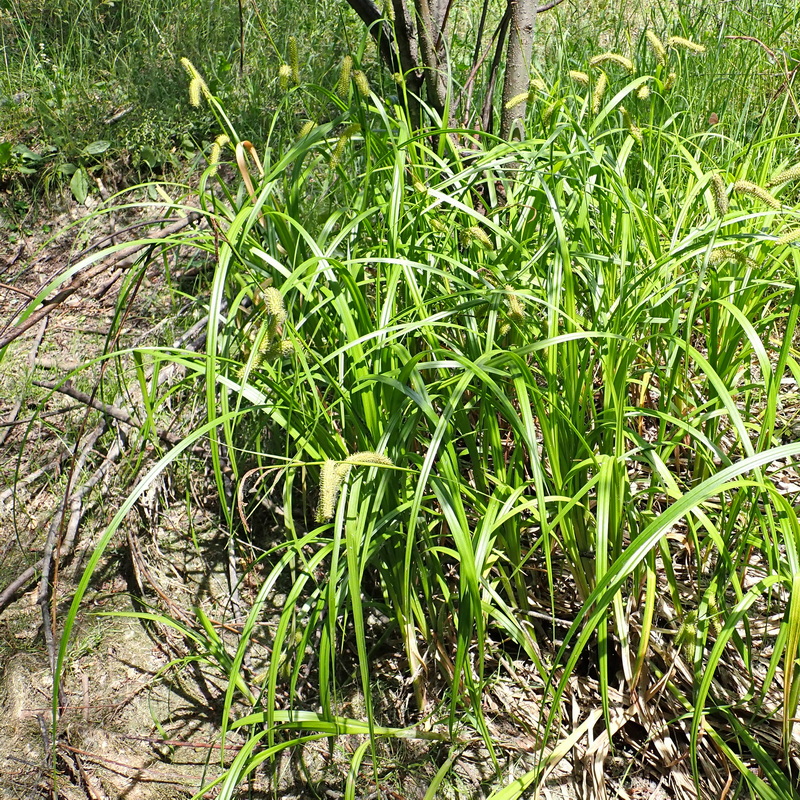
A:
[475,408]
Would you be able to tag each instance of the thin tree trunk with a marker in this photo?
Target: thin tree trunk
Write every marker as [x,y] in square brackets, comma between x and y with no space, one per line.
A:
[435,69]
[518,62]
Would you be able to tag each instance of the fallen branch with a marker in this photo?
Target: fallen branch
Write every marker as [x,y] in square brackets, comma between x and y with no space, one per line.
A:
[122,259]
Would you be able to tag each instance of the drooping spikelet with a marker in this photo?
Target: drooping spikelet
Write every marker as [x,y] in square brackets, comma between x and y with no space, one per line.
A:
[633,129]
[294,60]
[788,238]
[334,473]
[343,85]
[754,190]
[329,484]
[308,126]
[478,235]
[216,152]
[197,86]
[644,91]
[516,310]
[517,99]
[657,46]
[615,58]
[579,77]
[600,87]
[368,458]
[670,81]
[788,175]
[719,190]
[686,44]
[273,302]
[361,82]
[346,136]
[547,114]
[388,10]
[723,254]
[284,74]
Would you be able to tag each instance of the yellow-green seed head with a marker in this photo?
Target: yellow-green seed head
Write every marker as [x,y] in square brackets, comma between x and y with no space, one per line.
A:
[418,185]
[294,60]
[330,481]
[579,77]
[517,100]
[686,44]
[197,86]
[537,85]
[388,10]
[194,92]
[670,81]
[286,348]
[788,238]
[687,635]
[644,92]
[273,302]
[759,192]
[343,85]
[657,46]
[788,175]
[719,191]
[516,310]
[308,126]
[361,82]
[547,114]
[633,129]
[341,143]
[600,87]
[216,151]
[477,234]
[614,58]
[369,458]
[284,75]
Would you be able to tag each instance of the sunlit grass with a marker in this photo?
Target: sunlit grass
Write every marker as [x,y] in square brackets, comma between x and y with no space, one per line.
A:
[565,359]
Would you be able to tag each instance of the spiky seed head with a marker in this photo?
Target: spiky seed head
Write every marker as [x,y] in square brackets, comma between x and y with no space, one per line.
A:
[284,76]
[369,458]
[579,77]
[600,86]
[754,190]
[670,81]
[273,302]
[216,151]
[547,114]
[686,44]
[388,10]
[644,92]
[194,92]
[788,237]
[788,175]
[418,185]
[517,100]
[341,143]
[614,58]
[633,129]
[330,481]
[516,310]
[657,46]
[294,60]
[397,77]
[537,85]
[308,126]
[343,85]
[719,190]
[361,82]
[197,86]
[286,348]
[477,234]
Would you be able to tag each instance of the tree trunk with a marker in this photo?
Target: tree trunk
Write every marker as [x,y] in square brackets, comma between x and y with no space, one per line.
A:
[435,68]
[518,63]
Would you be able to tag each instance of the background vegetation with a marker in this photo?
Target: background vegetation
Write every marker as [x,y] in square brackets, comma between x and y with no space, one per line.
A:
[472,407]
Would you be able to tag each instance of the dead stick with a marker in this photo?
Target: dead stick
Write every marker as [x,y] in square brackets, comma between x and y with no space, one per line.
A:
[123,258]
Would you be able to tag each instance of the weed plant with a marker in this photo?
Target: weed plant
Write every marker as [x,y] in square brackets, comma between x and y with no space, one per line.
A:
[496,386]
